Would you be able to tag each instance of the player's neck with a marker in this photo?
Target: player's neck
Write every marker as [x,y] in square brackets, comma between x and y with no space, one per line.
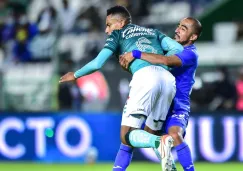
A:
[188,44]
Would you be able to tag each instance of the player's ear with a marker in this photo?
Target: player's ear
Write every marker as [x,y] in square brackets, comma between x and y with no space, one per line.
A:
[123,23]
[193,37]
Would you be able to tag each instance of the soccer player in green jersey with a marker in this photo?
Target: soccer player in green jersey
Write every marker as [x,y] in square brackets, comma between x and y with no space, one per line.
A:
[152,87]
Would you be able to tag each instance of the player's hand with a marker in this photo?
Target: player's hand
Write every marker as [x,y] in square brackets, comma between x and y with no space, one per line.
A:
[67,77]
[122,63]
[126,59]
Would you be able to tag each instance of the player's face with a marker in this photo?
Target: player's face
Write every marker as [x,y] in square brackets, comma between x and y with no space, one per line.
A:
[113,22]
[184,32]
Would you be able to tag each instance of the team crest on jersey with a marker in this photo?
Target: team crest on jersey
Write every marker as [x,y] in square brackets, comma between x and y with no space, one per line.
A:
[144,44]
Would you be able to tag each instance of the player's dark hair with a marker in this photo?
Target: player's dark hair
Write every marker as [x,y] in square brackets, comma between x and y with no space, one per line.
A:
[197,26]
[122,11]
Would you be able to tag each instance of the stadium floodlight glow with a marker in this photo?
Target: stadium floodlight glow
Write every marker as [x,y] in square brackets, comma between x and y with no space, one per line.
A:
[7,124]
[40,124]
[207,141]
[61,133]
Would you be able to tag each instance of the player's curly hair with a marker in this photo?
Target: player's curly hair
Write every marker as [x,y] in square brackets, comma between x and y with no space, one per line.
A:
[122,11]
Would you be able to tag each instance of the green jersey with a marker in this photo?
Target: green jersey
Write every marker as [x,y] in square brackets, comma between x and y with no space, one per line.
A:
[133,37]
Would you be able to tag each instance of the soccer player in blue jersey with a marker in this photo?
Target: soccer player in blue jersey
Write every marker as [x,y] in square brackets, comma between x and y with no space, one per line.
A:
[151,85]
[184,66]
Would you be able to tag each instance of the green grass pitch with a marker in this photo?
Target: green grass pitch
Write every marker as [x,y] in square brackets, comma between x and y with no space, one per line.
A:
[135,166]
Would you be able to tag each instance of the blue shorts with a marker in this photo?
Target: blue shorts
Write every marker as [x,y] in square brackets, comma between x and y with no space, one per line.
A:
[180,120]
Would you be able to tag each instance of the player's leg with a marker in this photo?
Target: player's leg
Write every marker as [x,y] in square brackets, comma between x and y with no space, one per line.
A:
[146,86]
[125,153]
[157,132]
[159,152]
[134,114]
[176,128]
[156,119]
[163,151]
[140,103]
[132,136]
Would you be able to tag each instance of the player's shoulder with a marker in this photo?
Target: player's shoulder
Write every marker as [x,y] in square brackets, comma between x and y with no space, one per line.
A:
[126,28]
[115,33]
[191,50]
[159,32]
[133,28]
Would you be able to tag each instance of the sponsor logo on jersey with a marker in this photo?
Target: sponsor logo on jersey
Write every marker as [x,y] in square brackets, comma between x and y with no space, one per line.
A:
[137,31]
[110,39]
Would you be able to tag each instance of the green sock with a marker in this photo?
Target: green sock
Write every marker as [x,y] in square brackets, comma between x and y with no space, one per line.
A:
[143,139]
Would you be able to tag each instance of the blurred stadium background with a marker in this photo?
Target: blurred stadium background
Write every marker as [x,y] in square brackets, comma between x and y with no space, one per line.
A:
[42,39]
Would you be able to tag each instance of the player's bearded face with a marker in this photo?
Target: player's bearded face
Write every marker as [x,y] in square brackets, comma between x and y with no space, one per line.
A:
[113,22]
[184,32]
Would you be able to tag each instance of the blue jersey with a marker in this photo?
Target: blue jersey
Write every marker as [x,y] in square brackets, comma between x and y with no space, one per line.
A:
[184,79]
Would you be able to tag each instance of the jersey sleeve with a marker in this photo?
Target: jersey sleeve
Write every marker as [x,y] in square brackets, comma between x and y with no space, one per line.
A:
[112,41]
[95,64]
[171,46]
[160,35]
[187,57]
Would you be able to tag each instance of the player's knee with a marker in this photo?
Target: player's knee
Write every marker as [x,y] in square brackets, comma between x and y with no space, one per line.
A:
[177,136]
[149,130]
[123,140]
[124,137]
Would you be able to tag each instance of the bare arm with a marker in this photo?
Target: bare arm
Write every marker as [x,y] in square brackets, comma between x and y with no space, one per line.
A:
[172,60]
